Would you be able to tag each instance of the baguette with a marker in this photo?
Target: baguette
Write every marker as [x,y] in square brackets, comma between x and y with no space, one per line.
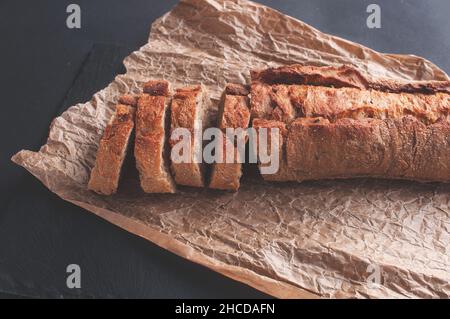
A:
[112,149]
[188,110]
[233,113]
[340,124]
[395,148]
[150,151]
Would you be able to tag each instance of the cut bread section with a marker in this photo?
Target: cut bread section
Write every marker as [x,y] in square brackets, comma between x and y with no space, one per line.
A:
[188,114]
[150,149]
[340,124]
[395,148]
[234,113]
[112,150]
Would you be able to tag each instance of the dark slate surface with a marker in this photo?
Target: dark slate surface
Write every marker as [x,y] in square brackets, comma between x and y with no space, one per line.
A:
[47,67]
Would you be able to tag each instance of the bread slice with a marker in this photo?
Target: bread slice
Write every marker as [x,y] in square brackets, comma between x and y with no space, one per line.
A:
[112,150]
[233,113]
[150,149]
[283,172]
[188,109]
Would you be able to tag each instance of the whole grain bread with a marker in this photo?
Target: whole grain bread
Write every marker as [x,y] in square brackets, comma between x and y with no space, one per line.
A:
[233,113]
[112,150]
[188,114]
[150,149]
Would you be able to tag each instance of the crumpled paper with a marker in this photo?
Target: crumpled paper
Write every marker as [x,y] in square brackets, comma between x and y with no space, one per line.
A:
[351,238]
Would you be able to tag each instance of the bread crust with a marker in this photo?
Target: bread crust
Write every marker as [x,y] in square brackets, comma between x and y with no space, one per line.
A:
[157,88]
[400,148]
[286,102]
[237,89]
[283,172]
[233,113]
[112,150]
[343,76]
[187,107]
[150,151]
[128,99]
[224,175]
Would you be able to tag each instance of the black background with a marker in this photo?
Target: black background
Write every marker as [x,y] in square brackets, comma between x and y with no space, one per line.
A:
[40,59]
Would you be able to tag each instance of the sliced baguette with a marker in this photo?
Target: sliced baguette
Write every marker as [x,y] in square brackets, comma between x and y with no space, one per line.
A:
[150,150]
[112,150]
[233,113]
[188,108]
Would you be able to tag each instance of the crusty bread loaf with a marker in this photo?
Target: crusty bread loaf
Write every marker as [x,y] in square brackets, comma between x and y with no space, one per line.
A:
[233,113]
[403,148]
[150,150]
[340,124]
[189,109]
[112,150]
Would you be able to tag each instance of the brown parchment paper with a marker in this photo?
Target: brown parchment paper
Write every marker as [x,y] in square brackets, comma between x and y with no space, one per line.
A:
[316,239]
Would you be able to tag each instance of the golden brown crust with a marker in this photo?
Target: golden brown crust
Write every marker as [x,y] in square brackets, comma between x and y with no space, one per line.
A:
[156,88]
[354,103]
[402,148]
[237,89]
[188,90]
[186,109]
[150,148]
[128,99]
[286,102]
[226,175]
[260,102]
[344,76]
[283,172]
[234,113]
[111,152]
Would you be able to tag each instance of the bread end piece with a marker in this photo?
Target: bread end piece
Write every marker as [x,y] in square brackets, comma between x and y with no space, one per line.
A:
[112,151]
